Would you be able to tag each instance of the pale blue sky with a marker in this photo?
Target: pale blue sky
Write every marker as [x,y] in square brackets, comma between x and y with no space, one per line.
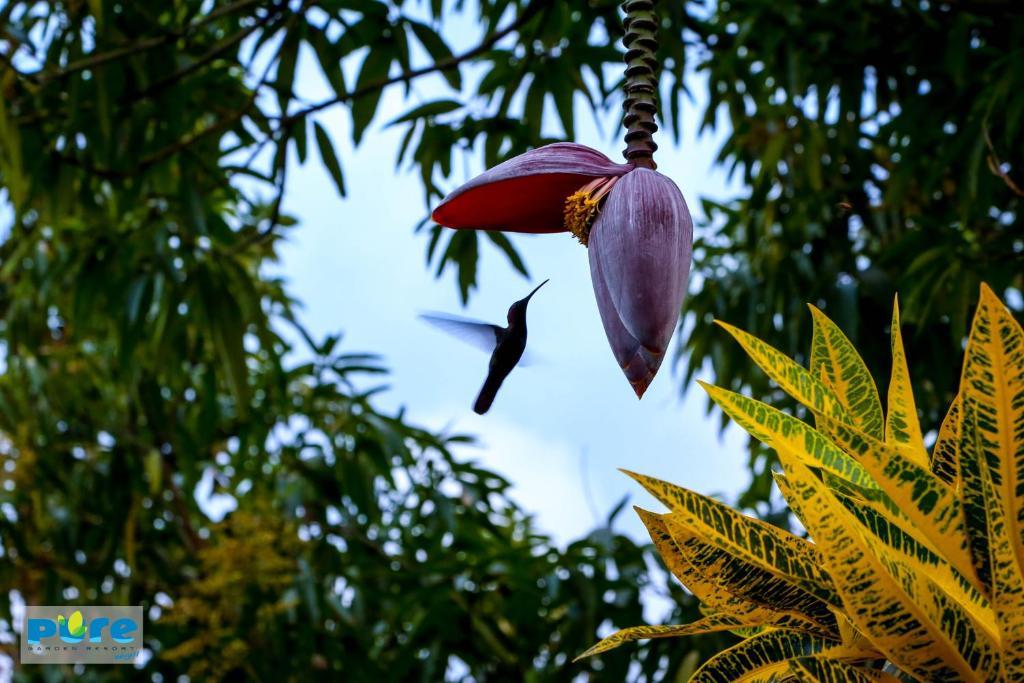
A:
[557,430]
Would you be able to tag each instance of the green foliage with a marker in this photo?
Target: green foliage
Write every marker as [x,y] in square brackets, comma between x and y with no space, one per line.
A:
[864,136]
[146,351]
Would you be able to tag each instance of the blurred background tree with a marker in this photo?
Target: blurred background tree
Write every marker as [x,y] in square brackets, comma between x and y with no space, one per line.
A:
[144,148]
[144,152]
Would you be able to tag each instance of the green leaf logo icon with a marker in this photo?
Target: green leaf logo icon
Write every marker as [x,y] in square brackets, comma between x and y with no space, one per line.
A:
[75,626]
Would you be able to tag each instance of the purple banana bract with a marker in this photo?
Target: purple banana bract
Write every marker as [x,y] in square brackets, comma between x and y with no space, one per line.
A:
[633,219]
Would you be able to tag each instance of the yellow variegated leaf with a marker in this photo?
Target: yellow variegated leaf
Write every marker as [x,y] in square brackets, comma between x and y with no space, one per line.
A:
[1007,583]
[993,382]
[876,499]
[929,504]
[747,538]
[713,589]
[847,373]
[751,631]
[820,669]
[691,577]
[798,608]
[945,461]
[972,495]
[790,375]
[920,556]
[901,422]
[992,439]
[902,611]
[852,441]
[766,657]
[775,427]
[710,624]
[674,559]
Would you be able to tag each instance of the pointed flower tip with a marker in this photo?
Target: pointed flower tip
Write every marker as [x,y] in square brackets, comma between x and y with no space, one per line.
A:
[640,249]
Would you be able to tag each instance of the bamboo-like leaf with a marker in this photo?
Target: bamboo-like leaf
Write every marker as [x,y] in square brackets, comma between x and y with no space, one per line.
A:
[374,68]
[696,564]
[945,458]
[847,373]
[928,503]
[751,540]
[773,426]
[710,624]
[767,656]
[329,157]
[790,375]
[819,669]
[903,612]
[901,423]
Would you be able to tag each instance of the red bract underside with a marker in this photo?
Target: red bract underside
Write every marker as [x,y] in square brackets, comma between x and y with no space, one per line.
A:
[533,203]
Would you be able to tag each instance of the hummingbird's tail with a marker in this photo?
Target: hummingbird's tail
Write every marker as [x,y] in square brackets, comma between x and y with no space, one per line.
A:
[487,393]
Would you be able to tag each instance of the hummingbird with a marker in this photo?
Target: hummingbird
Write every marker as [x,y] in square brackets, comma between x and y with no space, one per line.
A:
[505,344]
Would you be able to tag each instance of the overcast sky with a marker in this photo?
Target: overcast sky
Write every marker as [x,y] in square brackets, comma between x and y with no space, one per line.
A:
[558,430]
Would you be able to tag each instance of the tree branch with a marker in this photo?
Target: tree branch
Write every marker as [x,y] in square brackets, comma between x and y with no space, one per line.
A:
[286,120]
[443,65]
[94,60]
[214,52]
[996,166]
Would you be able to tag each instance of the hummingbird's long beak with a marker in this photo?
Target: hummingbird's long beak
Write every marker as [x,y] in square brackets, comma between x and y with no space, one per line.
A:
[535,290]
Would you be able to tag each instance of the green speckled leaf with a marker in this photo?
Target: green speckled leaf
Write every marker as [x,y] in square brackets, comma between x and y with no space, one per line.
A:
[791,376]
[775,427]
[819,669]
[945,458]
[847,374]
[711,624]
[903,612]
[901,422]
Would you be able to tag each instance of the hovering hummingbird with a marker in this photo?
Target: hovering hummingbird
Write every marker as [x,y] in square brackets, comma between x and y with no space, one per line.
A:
[505,344]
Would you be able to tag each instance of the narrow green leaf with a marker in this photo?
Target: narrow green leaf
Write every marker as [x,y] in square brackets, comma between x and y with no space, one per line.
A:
[426,110]
[330,159]
[847,373]
[373,71]
[438,51]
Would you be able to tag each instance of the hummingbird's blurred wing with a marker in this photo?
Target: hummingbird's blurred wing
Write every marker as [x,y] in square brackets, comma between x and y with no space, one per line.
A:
[483,336]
